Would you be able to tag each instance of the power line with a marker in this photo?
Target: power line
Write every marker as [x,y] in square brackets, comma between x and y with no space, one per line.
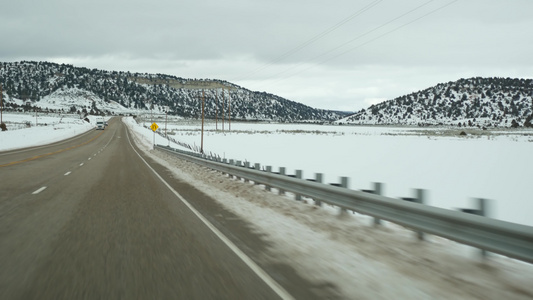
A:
[389,32]
[358,37]
[313,39]
[365,43]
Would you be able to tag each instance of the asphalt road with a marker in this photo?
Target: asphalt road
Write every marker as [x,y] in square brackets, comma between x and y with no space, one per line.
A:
[88,219]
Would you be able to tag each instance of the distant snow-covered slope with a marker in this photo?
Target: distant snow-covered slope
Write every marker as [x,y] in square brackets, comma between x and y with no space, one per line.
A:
[75,98]
[55,86]
[483,102]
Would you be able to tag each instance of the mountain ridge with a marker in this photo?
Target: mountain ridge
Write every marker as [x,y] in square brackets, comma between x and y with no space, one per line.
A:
[471,102]
[32,82]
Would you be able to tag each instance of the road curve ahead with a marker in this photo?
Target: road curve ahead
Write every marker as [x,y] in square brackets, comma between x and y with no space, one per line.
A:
[88,219]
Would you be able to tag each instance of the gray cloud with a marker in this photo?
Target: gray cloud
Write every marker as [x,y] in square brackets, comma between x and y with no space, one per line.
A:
[382,53]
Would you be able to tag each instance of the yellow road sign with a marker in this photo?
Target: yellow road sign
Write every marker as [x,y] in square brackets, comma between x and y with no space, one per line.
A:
[154,126]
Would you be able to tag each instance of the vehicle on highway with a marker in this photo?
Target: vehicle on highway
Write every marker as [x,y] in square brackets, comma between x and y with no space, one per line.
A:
[100,124]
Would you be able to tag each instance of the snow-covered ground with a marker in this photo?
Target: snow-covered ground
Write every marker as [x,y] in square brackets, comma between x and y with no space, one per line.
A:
[362,261]
[73,99]
[64,99]
[453,169]
[22,130]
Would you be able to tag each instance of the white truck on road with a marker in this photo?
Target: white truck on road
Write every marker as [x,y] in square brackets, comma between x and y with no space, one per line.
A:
[100,124]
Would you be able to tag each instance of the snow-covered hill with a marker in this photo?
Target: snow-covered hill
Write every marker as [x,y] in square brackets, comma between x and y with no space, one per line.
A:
[73,98]
[473,102]
[481,102]
[73,89]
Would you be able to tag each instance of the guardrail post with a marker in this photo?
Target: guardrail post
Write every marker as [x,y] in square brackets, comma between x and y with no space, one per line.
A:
[377,191]
[482,203]
[238,163]
[269,170]
[419,198]
[281,172]
[319,179]
[224,161]
[299,176]
[257,167]
[482,206]
[231,162]
[247,166]
[343,184]
[420,193]
[480,211]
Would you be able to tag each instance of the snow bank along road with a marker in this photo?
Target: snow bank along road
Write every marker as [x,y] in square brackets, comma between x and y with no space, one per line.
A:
[87,218]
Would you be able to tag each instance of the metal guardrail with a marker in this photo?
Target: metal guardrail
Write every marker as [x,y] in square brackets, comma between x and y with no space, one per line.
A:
[505,238]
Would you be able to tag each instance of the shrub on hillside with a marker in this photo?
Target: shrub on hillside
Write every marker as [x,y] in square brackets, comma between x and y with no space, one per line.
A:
[527,122]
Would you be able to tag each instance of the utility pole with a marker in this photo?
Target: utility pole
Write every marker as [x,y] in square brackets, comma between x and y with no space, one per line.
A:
[166,119]
[1,105]
[202,141]
[229,108]
[151,112]
[216,110]
[223,112]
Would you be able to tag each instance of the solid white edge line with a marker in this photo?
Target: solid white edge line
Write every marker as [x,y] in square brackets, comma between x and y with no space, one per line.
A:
[39,190]
[278,289]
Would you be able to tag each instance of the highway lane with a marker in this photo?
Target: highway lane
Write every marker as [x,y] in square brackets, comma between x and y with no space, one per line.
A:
[87,219]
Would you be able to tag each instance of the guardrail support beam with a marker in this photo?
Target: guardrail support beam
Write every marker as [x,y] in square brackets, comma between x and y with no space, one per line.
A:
[482,206]
[319,177]
[238,164]
[231,162]
[281,172]
[343,184]
[420,193]
[480,211]
[378,190]
[257,166]
[247,166]
[298,197]
[269,170]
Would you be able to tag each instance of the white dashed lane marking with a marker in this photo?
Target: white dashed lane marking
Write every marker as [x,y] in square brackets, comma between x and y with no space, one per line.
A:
[39,190]
[68,173]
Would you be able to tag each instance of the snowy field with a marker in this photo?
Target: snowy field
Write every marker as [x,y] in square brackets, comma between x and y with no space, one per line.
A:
[453,169]
[23,132]
[362,261]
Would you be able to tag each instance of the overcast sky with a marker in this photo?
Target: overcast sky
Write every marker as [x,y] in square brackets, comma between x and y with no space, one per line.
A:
[342,54]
